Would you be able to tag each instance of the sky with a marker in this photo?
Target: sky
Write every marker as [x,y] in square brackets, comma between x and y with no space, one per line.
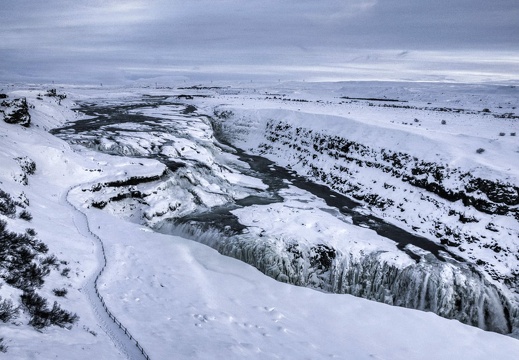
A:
[119,41]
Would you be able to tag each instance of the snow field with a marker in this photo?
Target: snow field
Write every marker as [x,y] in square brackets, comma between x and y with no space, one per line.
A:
[181,299]
[184,300]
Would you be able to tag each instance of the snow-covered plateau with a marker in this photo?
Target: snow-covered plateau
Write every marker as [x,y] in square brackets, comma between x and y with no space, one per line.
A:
[402,193]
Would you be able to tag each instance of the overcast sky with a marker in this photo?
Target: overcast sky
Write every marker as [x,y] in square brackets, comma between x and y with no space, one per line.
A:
[113,41]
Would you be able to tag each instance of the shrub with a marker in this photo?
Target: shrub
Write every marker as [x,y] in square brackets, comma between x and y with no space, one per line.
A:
[60,317]
[42,316]
[7,204]
[25,215]
[31,232]
[28,166]
[38,246]
[21,262]
[51,260]
[28,277]
[23,201]
[65,272]
[32,302]
[8,311]
[3,347]
[60,292]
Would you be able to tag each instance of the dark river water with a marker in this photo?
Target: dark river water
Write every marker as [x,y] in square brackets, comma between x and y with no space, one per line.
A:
[103,122]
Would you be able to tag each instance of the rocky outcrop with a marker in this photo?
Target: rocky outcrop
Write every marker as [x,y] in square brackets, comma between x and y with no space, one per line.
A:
[16,112]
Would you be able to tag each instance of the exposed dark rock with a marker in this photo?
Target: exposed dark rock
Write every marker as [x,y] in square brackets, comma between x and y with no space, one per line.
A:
[132,181]
[16,112]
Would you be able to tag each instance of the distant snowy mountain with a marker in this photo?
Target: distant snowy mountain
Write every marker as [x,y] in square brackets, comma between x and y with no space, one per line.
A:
[431,222]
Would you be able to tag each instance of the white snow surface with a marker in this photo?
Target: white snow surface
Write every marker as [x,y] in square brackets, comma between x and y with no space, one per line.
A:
[183,300]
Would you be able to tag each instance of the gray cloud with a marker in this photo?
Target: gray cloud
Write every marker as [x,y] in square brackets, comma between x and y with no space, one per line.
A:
[96,39]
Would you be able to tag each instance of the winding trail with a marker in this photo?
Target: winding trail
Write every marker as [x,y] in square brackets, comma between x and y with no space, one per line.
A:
[116,331]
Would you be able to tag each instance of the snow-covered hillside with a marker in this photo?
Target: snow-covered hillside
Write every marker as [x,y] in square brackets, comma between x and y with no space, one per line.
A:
[181,299]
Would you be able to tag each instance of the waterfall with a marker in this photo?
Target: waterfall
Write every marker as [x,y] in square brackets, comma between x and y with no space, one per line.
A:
[455,291]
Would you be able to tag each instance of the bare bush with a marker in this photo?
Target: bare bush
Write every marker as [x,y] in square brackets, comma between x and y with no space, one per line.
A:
[8,311]
[42,316]
[60,292]
[25,215]
[3,347]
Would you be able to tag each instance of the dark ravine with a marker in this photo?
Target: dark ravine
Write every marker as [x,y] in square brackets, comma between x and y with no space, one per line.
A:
[440,282]
[487,196]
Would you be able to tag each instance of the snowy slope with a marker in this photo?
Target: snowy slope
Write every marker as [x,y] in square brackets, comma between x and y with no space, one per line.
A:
[181,299]
[57,168]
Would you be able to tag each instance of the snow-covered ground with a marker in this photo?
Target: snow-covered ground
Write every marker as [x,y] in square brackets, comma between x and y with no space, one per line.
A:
[440,160]
[181,299]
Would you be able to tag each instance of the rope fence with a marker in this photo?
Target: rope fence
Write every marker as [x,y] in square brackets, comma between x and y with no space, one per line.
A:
[110,315]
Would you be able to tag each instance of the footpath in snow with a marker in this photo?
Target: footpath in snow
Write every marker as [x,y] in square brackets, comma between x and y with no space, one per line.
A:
[120,336]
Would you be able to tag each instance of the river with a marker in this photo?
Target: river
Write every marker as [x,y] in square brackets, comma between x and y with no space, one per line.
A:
[420,286]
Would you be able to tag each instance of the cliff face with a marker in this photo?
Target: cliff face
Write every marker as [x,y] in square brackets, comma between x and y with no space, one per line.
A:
[471,210]
[452,184]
